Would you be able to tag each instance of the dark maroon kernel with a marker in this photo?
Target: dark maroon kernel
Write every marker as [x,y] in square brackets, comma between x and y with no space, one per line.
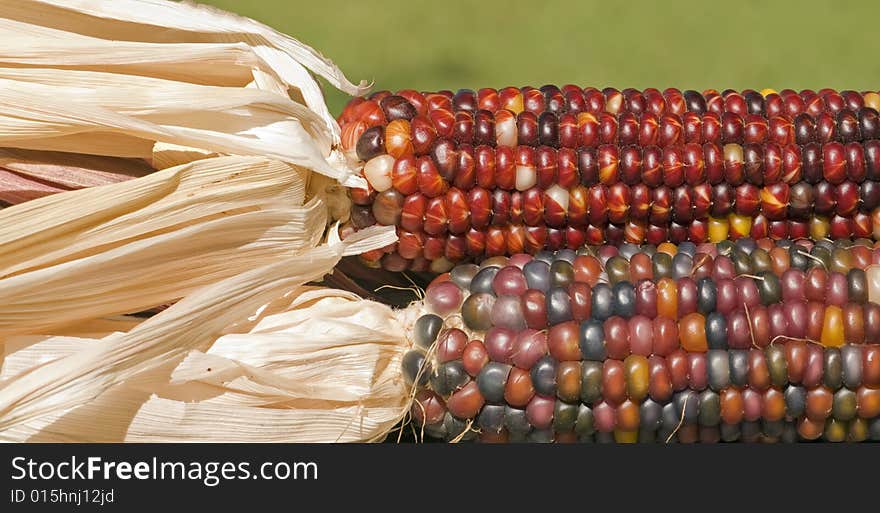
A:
[852,99]
[695,101]
[362,216]
[833,101]
[607,128]
[681,204]
[371,143]
[628,129]
[509,280]
[712,128]
[869,123]
[811,160]
[732,127]
[848,126]
[397,107]
[753,157]
[872,159]
[548,129]
[754,102]
[648,128]
[445,157]
[484,128]
[801,200]
[652,169]
[734,102]
[772,163]
[527,129]
[588,166]
[547,168]
[499,344]
[463,127]
[634,100]
[869,193]
[692,127]
[554,100]
[826,127]
[575,103]
[723,197]
[464,99]
[671,128]
[673,169]
[855,162]
[847,198]
[824,198]
[714,160]
[774,105]
[804,129]
[655,101]
[630,165]
[837,291]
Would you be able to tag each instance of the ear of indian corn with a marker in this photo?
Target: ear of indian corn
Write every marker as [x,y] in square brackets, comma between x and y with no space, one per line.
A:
[747,341]
[471,175]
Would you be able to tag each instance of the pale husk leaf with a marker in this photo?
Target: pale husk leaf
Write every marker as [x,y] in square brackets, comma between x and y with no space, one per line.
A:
[219,64]
[45,107]
[214,397]
[149,50]
[232,236]
[165,21]
[137,244]
[193,324]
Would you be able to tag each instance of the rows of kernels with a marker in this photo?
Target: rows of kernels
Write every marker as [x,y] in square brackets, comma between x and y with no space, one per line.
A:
[583,123]
[425,234]
[466,166]
[412,194]
[551,342]
[636,166]
[572,99]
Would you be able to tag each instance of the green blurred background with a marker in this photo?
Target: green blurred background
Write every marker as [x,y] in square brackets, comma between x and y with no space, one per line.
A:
[451,44]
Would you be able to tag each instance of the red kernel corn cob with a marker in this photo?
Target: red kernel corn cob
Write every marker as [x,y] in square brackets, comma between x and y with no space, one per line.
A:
[550,168]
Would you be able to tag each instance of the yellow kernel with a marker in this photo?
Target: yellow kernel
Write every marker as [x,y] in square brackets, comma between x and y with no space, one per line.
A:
[767,92]
[832,327]
[872,100]
[668,248]
[718,229]
[515,104]
[819,227]
[740,225]
[626,437]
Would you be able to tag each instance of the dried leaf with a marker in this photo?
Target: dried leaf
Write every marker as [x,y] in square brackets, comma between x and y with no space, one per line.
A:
[192,323]
[324,369]
[275,124]
[137,244]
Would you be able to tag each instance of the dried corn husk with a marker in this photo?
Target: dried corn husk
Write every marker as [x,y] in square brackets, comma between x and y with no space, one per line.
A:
[311,365]
[178,85]
[80,255]
[231,228]
[175,73]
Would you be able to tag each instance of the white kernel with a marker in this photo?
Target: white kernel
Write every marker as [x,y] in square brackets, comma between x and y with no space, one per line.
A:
[377,171]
